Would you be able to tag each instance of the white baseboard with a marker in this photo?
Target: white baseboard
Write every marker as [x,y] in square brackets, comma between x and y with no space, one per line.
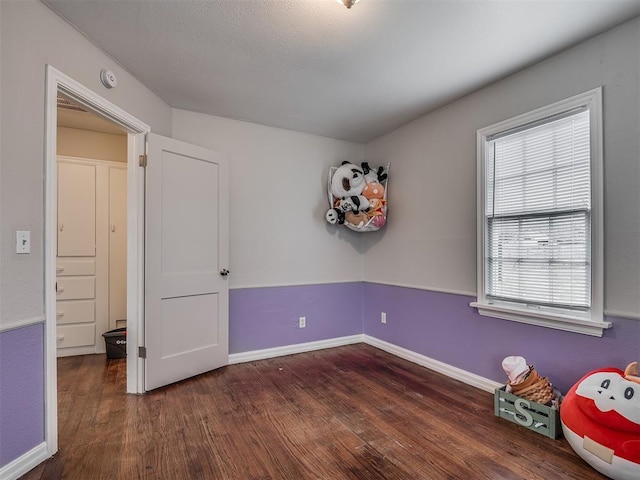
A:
[24,463]
[292,349]
[73,351]
[435,365]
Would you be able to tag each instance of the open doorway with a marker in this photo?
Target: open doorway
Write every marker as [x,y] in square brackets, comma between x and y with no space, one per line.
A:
[60,85]
[177,307]
[91,262]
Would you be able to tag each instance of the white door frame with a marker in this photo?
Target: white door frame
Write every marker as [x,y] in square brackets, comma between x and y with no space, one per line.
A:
[137,130]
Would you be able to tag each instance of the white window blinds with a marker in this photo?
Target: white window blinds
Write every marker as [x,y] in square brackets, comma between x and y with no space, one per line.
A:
[538,212]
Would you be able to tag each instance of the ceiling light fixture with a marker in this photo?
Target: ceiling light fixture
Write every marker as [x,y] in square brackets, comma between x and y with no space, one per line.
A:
[348,3]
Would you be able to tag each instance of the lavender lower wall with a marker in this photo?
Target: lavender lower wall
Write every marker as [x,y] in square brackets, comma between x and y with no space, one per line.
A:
[268,317]
[444,327]
[21,391]
[441,326]
[438,325]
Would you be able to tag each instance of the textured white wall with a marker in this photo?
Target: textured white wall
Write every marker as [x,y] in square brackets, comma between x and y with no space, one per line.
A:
[277,177]
[31,36]
[430,238]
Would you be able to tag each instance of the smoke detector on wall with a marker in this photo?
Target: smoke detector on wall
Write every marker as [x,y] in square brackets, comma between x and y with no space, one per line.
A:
[108,78]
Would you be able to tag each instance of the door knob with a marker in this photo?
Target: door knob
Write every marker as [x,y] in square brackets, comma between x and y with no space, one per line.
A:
[224,272]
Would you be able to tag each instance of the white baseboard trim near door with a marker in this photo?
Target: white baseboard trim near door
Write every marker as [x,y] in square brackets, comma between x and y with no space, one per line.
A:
[24,463]
[454,372]
[292,349]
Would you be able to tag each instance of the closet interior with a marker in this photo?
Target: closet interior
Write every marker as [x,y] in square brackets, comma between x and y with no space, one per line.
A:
[91,263]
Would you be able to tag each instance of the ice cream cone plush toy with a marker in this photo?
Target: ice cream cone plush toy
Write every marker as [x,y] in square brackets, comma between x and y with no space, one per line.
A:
[601,421]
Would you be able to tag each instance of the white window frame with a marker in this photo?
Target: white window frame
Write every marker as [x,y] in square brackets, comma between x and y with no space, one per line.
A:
[593,322]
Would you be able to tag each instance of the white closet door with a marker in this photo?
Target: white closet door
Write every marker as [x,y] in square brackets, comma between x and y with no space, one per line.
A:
[76,210]
[117,245]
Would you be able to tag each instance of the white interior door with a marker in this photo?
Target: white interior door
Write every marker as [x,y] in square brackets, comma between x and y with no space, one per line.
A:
[187,251]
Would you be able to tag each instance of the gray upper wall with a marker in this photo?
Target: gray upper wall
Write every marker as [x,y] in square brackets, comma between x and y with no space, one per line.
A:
[31,36]
[429,241]
[430,237]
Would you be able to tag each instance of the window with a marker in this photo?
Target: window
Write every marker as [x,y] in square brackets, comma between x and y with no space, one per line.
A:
[540,217]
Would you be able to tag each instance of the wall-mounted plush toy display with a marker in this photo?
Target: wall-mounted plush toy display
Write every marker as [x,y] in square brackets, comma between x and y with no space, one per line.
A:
[601,420]
[358,196]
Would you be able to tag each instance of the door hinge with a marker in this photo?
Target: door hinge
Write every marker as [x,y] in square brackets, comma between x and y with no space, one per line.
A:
[142,352]
[143,160]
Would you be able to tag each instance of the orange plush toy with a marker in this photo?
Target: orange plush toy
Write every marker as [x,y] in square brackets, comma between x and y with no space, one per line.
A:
[601,421]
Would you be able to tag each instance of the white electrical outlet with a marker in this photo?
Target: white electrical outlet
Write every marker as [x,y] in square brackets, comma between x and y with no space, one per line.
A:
[302,322]
[383,317]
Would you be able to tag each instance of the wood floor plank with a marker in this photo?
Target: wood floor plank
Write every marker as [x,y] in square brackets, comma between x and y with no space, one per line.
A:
[353,413]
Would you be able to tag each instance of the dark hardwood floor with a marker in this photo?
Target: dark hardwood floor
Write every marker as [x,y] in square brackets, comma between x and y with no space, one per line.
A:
[352,412]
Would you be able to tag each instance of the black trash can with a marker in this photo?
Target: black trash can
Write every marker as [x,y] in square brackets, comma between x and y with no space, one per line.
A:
[116,342]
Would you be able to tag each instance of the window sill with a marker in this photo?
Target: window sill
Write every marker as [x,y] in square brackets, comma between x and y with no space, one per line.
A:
[559,322]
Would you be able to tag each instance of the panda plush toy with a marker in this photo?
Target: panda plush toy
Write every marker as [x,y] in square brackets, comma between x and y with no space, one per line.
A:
[353,190]
[347,181]
[347,185]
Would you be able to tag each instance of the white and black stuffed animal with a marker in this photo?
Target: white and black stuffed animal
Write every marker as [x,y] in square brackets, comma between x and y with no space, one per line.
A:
[371,176]
[347,180]
[354,203]
[334,216]
[347,184]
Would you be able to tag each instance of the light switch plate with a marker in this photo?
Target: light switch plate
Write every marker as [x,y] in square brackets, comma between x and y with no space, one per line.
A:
[23,241]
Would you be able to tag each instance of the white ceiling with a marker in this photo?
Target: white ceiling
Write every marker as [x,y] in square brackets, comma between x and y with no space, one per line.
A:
[316,67]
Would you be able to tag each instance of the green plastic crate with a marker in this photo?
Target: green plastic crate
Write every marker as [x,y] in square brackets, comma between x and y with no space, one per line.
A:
[532,415]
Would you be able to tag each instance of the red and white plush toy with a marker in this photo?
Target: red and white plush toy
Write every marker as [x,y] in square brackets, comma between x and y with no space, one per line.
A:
[601,421]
